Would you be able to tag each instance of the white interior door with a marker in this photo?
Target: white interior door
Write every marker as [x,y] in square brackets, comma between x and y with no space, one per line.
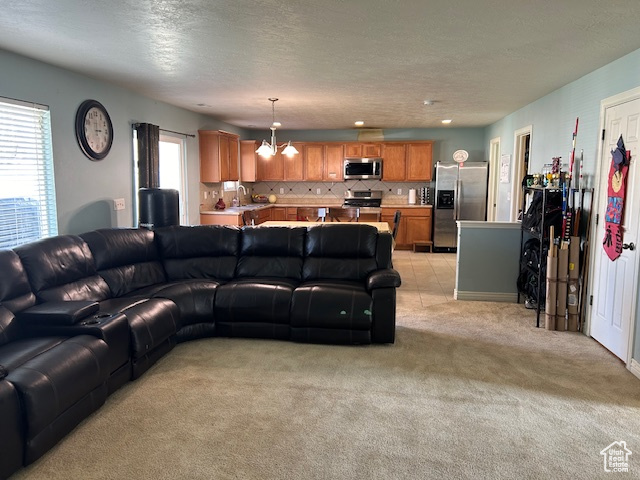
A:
[613,289]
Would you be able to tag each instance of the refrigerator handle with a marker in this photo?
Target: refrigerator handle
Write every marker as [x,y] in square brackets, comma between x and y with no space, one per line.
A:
[456,203]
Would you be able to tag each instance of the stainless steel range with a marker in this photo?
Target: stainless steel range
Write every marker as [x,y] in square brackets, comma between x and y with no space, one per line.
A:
[368,201]
[363,198]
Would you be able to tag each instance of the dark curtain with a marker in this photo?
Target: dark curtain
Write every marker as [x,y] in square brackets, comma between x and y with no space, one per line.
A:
[148,155]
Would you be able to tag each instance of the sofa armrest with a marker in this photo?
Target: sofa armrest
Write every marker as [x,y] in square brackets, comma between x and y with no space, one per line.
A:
[58,313]
[387,278]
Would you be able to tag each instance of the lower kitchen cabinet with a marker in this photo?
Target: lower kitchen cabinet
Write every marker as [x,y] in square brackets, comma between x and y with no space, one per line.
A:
[415,225]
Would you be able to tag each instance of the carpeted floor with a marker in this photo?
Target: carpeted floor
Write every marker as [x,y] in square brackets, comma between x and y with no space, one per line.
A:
[470,390]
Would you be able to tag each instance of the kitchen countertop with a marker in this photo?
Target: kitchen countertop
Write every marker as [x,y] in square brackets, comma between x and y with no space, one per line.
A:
[258,206]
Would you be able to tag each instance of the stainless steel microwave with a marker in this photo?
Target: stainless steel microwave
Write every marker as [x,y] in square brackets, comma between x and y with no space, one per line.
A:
[362,168]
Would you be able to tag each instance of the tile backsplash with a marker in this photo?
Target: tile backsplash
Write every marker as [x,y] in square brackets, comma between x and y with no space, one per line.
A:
[310,192]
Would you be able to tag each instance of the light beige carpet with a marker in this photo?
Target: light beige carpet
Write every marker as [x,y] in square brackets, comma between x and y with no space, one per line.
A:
[470,390]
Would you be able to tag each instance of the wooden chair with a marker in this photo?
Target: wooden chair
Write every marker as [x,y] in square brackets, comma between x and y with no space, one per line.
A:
[351,214]
[250,217]
[396,224]
[308,214]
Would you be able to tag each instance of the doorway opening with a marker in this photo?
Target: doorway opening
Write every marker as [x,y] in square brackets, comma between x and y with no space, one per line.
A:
[521,147]
[172,170]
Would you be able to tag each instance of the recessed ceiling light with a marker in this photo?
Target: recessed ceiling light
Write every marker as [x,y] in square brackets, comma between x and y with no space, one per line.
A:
[428,102]
[446,121]
[359,123]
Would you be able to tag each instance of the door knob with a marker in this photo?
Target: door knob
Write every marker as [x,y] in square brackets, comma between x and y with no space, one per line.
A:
[629,246]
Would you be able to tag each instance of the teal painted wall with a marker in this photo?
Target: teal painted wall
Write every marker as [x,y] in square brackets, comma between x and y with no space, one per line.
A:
[553,120]
[85,189]
[447,140]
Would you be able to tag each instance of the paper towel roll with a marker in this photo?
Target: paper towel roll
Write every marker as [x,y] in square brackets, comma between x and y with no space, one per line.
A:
[412,196]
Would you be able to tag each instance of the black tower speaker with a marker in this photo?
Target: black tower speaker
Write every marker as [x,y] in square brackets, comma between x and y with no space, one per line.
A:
[159,207]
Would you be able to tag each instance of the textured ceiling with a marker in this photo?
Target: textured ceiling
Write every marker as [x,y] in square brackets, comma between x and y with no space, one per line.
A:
[331,62]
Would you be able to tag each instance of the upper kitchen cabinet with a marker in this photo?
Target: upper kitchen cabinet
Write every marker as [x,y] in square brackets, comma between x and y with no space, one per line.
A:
[276,168]
[218,156]
[407,162]
[419,161]
[394,162]
[363,150]
[334,162]
[294,165]
[271,168]
[314,162]
[249,160]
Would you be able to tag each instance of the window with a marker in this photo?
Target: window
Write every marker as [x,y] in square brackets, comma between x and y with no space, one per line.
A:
[27,189]
[171,170]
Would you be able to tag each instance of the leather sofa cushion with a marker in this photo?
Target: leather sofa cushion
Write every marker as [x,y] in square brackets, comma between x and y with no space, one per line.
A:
[260,300]
[194,298]
[15,291]
[331,305]
[127,259]
[341,252]
[151,320]
[18,352]
[9,327]
[11,442]
[271,252]
[204,251]
[62,268]
[48,391]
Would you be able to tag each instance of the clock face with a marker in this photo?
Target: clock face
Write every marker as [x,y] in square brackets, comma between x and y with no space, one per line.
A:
[94,130]
[460,156]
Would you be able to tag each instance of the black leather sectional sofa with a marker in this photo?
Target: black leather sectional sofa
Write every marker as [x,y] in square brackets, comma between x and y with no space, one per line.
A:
[82,315]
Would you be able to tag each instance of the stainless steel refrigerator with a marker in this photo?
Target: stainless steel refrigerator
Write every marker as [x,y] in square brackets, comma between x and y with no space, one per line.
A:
[460,194]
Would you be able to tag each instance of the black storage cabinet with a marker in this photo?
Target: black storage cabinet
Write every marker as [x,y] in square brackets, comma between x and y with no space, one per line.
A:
[159,207]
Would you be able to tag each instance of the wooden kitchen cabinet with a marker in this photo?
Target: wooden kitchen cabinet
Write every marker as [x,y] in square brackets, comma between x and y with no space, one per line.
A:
[270,168]
[255,168]
[279,213]
[334,162]
[221,219]
[363,150]
[419,161]
[394,162]
[415,225]
[407,162]
[218,156]
[249,160]
[314,154]
[294,165]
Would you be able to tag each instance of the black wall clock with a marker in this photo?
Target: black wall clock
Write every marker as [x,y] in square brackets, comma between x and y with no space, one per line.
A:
[94,130]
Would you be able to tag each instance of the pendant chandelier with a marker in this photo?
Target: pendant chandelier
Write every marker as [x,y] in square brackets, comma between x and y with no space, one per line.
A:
[269,150]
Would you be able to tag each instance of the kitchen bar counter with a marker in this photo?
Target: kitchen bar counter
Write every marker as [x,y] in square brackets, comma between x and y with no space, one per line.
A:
[258,206]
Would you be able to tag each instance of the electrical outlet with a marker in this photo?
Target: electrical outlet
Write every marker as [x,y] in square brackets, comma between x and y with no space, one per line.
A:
[318,191]
[399,191]
[281,191]
[118,203]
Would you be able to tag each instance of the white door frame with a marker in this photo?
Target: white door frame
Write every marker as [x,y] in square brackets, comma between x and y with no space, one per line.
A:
[594,243]
[494,177]
[518,163]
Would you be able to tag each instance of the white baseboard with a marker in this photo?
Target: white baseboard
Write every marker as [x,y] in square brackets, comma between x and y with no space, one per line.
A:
[486,296]
[634,367]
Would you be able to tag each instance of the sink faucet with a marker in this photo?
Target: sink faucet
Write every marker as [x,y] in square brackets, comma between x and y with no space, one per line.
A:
[240,186]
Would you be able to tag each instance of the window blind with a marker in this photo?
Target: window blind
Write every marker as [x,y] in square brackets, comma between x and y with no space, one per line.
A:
[27,187]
